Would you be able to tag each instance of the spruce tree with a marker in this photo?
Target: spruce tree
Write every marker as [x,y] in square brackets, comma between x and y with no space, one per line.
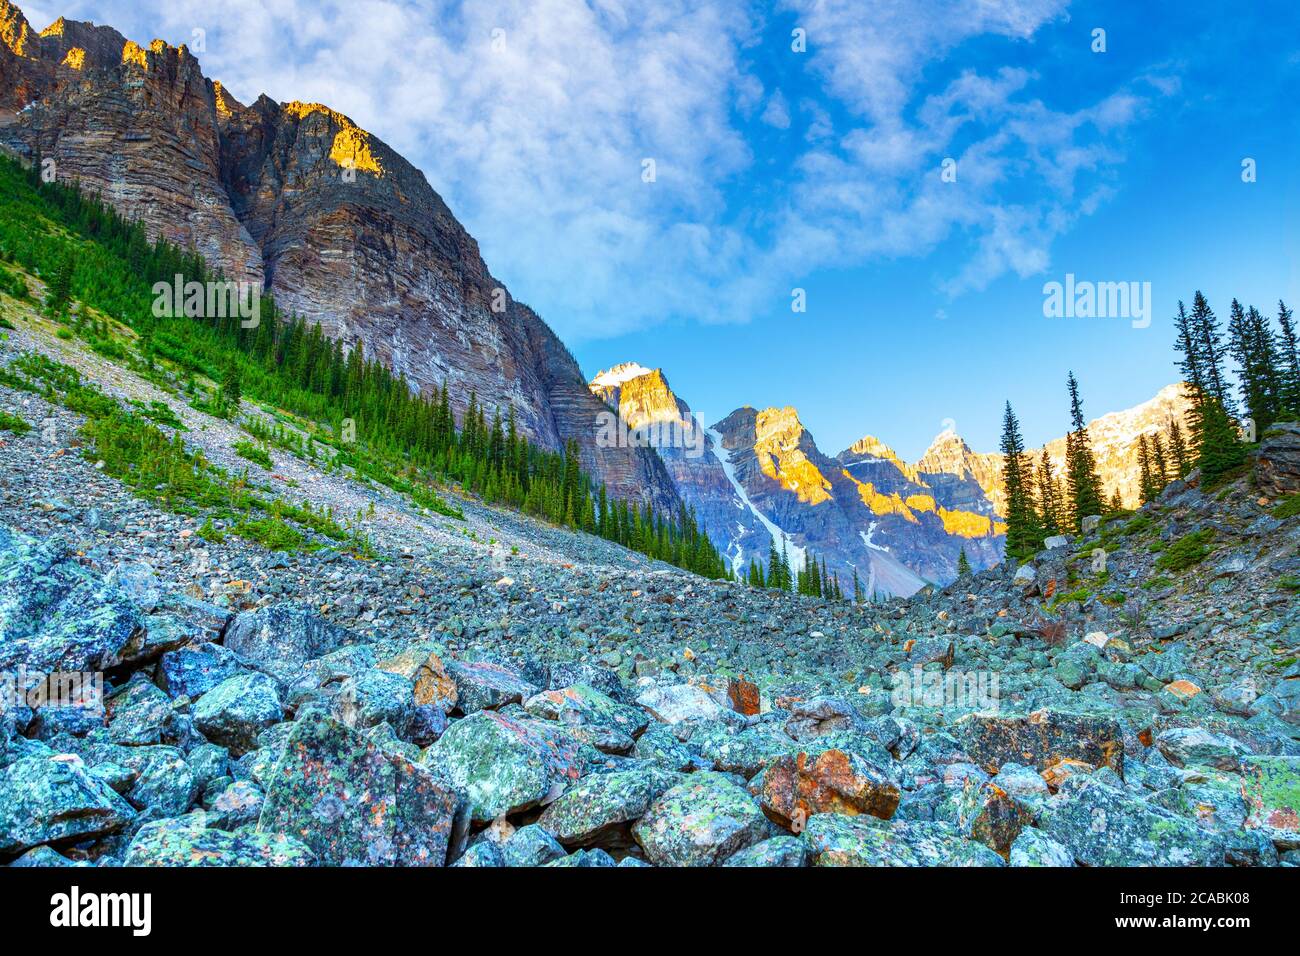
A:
[1024,534]
[1288,361]
[1049,497]
[1178,450]
[1146,486]
[1082,482]
[963,564]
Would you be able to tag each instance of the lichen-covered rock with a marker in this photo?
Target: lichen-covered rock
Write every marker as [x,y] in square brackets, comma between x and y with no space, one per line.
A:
[431,685]
[503,764]
[193,671]
[659,746]
[485,853]
[1271,788]
[55,614]
[281,638]
[585,858]
[745,752]
[375,697]
[531,846]
[54,799]
[596,806]
[796,786]
[141,714]
[1032,847]
[836,840]
[700,822]
[778,851]
[1196,746]
[1104,826]
[484,685]
[188,841]
[1277,466]
[354,803]
[992,816]
[238,709]
[1042,738]
[582,706]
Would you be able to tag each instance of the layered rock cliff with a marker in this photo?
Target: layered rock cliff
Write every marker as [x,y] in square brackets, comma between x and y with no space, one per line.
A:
[343,230]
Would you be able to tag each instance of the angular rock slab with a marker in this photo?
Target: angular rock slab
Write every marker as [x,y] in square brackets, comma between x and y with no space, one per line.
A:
[1041,739]
[188,842]
[602,802]
[483,685]
[55,614]
[354,803]
[1103,826]
[238,709]
[700,822]
[583,706]
[837,840]
[796,786]
[51,799]
[504,765]
[281,638]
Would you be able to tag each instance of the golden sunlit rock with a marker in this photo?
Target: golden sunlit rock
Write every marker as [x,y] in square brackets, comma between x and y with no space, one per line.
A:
[76,58]
[134,53]
[351,147]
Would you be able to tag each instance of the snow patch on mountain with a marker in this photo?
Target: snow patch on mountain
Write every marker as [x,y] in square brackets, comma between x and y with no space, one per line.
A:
[798,555]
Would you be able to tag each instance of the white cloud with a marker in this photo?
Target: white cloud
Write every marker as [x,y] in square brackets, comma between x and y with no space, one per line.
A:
[537,147]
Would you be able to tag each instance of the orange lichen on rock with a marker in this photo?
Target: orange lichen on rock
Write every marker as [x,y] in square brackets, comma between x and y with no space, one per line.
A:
[76,58]
[351,146]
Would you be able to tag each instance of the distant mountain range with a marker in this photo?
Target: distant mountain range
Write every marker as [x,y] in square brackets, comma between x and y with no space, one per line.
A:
[759,477]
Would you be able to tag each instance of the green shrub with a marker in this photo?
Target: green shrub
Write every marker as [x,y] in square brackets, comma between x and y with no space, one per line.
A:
[1289,507]
[254,453]
[1188,551]
[12,423]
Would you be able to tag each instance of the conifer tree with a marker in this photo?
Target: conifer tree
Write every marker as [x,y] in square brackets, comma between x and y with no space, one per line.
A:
[1082,482]
[1288,361]
[1147,484]
[1049,497]
[963,564]
[1024,534]
[1181,461]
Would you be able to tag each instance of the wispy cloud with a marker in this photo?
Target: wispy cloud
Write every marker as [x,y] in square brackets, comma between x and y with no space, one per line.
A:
[534,121]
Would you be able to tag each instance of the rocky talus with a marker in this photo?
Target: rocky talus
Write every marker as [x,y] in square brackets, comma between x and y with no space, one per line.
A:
[500,693]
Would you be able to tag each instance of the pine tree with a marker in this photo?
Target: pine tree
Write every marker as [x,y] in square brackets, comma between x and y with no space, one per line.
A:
[1159,463]
[1049,497]
[1178,449]
[857,588]
[59,291]
[231,393]
[1288,361]
[1221,451]
[963,564]
[1116,502]
[1082,482]
[1024,534]
[1147,485]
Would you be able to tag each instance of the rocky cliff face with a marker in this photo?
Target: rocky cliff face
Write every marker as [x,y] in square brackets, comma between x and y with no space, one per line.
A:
[342,229]
[694,458]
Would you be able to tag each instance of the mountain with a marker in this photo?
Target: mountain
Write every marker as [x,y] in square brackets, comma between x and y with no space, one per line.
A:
[1114,438]
[342,229]
[758,477]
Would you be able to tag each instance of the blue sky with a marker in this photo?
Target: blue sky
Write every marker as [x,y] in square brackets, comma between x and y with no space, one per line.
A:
[820,170]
